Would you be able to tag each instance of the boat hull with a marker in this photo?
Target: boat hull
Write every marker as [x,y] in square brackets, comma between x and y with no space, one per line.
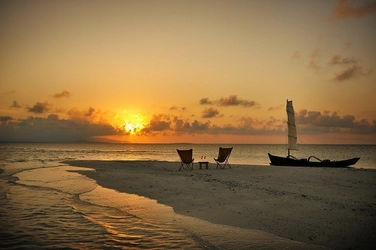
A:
[286,161]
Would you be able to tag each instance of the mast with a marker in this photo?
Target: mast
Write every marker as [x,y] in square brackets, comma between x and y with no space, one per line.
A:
[291,134]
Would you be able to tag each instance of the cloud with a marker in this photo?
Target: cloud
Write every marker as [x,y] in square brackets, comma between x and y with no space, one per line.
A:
[350,72]
[250,126]
[309,122]
[164,123]
[199,126]
[35,129]
[176,108]
[5,119]
[39,108]
[344,10]
[180,125]
[168,125]
[339,60]
[349,68]
[62,94]
[276,108]
[158,123]
[346,67]
[210,113]
[205,101]
[317,122]
[233,100]
[15,105]
[89,112]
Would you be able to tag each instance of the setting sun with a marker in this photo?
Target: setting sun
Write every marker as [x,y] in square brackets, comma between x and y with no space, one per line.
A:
[131,123]
[133,128]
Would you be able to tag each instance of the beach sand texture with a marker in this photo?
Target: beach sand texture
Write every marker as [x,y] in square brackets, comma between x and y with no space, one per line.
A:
[334,208]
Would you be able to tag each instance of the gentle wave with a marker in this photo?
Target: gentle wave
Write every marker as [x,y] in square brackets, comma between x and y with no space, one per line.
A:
[46,211]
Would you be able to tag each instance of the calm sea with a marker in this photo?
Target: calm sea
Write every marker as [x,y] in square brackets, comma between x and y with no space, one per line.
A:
[44,206]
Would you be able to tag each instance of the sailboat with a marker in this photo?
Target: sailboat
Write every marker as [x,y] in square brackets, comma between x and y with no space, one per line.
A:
[311,161]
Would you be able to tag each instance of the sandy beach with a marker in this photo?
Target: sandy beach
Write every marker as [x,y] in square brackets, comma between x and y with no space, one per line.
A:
[334,208]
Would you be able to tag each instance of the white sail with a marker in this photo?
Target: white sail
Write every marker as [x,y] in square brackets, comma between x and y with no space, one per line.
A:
[292,137]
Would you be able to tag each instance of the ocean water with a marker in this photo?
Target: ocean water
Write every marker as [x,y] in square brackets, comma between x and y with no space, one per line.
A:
[45,205]
[247,154]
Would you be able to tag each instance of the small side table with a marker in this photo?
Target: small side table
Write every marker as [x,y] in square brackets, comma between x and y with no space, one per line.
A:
[205,163]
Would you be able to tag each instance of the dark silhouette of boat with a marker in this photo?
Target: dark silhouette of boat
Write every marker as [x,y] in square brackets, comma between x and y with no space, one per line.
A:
[311,161]
[292,161]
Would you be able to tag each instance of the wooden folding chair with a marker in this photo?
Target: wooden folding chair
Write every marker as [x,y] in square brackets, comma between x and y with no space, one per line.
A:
[223,156]
[186,157]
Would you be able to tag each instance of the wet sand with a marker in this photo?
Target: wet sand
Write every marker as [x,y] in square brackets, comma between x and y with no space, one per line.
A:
[335,208]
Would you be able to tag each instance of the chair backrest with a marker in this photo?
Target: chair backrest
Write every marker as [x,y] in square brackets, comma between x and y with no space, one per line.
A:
[224,153]
[186,156]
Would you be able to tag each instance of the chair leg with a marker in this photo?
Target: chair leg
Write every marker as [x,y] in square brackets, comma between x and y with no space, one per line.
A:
[218,165]
[184,166]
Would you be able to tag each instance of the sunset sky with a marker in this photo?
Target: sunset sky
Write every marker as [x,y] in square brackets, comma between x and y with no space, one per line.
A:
[200,71]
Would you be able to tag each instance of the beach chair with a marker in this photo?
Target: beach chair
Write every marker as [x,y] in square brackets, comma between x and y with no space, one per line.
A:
[223,156]
[186,157]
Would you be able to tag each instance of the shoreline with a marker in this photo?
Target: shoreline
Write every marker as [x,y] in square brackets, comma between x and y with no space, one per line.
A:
[334,208]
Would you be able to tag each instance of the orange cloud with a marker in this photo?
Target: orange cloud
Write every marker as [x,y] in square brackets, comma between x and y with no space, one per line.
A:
[344,10]
[339,60]
[210,113]
[159,123]
[176,108]
[52,129]
[62,94]
[205,101]
[39,108]
[89,112]
[5,119]
[279,107]
[350,72]
[231,100]
[15,105]
[317,122]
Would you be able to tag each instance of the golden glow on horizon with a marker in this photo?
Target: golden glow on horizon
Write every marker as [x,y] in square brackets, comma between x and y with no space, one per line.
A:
[133,128]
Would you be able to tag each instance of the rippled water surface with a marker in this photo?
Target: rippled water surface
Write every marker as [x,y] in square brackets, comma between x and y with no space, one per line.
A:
[51,207]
